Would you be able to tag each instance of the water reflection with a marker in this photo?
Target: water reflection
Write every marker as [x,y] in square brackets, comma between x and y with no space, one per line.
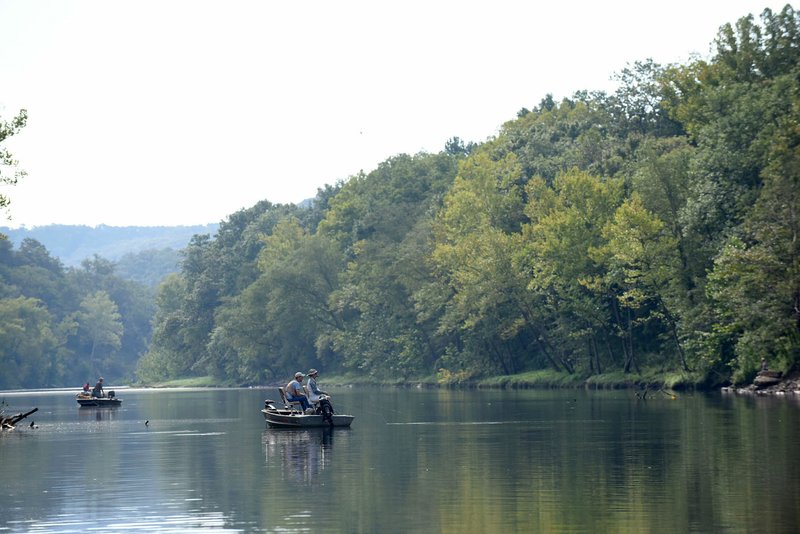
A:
[300,454]
[86,413]
[426,461]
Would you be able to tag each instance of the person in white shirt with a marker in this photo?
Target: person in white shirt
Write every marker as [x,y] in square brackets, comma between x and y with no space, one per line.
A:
[314,392]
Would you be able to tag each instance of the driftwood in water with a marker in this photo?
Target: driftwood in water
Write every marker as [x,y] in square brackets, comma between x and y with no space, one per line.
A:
[9,422]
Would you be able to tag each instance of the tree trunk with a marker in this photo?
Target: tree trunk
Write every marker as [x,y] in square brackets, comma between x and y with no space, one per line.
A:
[627,353]
[546,352]
[596,355]
[674,330]
[630,361]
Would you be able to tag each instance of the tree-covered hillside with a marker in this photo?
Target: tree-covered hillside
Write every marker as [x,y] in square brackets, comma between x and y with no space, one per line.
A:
[655,227]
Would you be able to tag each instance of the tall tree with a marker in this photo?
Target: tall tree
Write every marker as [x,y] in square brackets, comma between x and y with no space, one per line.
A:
[566,222]
[27,344]
[472,257]
[642,259]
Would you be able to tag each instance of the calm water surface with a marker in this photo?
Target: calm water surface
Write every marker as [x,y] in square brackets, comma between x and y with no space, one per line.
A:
[414,461]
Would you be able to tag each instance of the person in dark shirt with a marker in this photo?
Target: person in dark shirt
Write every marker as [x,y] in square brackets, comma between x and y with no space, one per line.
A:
[98,389]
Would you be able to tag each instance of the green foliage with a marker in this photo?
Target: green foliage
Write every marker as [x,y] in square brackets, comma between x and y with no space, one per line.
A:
[64,327]
[148,267]
[99,329]
[755,284]
[486,305]
[26,342]
[9,170]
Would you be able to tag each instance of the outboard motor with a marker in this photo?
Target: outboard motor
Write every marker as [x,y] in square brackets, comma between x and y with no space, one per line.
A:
[326,408]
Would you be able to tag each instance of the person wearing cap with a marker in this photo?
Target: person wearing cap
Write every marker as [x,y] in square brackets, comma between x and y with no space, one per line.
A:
[296,393]
[98,388]
[313,391]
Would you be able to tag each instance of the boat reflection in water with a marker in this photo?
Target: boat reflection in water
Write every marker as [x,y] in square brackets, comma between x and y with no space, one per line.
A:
[301,454]
[100,414]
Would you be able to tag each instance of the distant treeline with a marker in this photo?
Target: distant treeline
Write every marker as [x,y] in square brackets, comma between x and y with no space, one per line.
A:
[655,228]
[65,326]
[74,243]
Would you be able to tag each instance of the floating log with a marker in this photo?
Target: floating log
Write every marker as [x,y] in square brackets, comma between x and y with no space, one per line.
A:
[9,422]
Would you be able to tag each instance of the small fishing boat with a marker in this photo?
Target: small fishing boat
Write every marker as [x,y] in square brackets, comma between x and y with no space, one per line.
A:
[291,416]
[86,400]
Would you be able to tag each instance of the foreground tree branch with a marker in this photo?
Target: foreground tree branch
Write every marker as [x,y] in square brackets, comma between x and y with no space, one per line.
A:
[9,422]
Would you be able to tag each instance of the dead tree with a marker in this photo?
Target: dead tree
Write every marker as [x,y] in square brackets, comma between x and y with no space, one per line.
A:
[9,422]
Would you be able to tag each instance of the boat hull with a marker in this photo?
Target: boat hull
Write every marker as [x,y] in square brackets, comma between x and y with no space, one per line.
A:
[98,402]
[290,419]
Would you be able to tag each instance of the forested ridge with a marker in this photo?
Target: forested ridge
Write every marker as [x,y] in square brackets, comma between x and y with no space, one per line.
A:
[653,228]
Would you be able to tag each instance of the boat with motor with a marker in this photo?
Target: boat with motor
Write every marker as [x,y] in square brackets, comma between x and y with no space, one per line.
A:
[86,400]
[290,415]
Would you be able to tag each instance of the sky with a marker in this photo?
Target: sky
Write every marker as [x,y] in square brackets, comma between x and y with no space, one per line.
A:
[151,113]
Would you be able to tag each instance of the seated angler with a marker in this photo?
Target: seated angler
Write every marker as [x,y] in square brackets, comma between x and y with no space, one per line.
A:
[314,393]
[98,389]
[296,393]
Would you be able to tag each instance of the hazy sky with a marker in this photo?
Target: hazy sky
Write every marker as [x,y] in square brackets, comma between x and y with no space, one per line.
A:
[184,112]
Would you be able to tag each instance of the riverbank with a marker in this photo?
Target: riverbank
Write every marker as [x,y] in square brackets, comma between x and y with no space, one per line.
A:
[544,379]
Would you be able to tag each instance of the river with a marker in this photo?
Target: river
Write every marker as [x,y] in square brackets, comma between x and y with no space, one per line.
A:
[415,460]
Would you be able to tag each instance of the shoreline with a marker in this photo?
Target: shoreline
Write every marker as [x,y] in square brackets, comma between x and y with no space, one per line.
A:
[780,386]
[647,382]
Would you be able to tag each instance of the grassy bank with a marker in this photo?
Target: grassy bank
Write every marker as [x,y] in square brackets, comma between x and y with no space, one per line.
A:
[545,379]
[191,382]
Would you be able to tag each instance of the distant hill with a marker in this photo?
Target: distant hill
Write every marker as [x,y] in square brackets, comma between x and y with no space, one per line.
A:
[73,244]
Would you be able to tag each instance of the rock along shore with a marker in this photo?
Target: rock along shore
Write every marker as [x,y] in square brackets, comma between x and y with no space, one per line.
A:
[769,383]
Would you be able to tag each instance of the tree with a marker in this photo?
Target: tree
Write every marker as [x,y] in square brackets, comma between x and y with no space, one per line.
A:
[731,109]
[381,222]
[485,310]
[134,304]
[566,222]
[9,171]
[167,356]
[280,320]
[27,344]
[636,105]
[100,326]
[641,258]
[662,178]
